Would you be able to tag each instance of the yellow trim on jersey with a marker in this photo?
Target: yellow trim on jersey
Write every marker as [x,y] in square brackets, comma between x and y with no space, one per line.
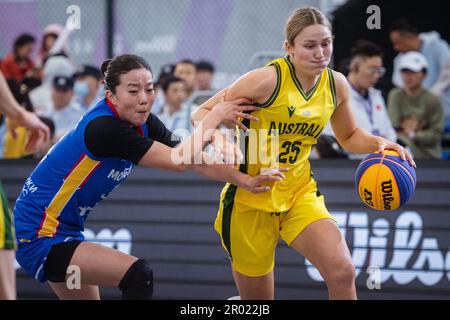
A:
[332,86]
[84,168]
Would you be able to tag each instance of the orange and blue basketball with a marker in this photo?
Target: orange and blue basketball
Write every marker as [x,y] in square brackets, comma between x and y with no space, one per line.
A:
[384,181]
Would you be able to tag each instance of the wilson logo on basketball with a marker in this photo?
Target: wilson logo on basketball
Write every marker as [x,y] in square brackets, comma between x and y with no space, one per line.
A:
[386,190]
[368,197]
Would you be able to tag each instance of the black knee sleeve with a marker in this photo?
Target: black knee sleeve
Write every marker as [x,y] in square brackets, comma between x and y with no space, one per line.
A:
[137,283]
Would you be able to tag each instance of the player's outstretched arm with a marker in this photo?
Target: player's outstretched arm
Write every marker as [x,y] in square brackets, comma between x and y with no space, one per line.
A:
[176,159]
[162,157]
[256,87]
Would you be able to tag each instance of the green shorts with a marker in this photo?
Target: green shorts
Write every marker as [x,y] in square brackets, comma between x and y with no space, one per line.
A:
[7,237]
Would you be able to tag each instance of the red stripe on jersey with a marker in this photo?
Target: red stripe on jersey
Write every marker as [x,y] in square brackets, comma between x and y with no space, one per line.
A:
[113,108]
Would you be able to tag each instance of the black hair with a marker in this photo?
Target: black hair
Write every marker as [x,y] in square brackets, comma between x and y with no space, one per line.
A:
[366,49]
[204,65]
[168,80]
[186,61]
[165,71]
[20,93]
[403,25]
[46,36]
[344,66]
[57,54]
[23,40]
[113,68]
[50,124]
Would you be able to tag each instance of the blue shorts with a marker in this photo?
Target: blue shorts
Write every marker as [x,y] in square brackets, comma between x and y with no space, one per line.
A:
[32,255]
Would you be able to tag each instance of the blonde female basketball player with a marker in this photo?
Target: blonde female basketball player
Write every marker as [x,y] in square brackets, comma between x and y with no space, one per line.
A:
[297,96]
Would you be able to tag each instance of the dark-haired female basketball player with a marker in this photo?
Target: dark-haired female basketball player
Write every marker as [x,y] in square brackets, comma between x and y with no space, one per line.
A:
[88,163]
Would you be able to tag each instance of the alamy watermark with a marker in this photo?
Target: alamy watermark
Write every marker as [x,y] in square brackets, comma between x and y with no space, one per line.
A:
[374,20]
[73,280]
[374,279]
[260,146]
[74,20]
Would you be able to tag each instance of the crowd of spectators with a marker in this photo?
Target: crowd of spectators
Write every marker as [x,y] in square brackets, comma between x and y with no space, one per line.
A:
[415,113]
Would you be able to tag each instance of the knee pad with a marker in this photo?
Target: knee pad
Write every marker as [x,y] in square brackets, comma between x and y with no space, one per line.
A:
[137,283]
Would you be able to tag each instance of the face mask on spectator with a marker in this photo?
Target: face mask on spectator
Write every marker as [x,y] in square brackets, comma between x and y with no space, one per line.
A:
[81,89]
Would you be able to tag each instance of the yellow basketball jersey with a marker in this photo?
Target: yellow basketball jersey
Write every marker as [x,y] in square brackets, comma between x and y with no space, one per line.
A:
[290,122]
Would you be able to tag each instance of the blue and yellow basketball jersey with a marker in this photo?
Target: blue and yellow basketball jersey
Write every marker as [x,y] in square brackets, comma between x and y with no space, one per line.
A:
[68,182]
[290,122]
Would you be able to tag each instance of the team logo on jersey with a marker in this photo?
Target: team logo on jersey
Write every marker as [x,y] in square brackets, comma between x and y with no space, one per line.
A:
[117,175]
[291,110]
[306,113]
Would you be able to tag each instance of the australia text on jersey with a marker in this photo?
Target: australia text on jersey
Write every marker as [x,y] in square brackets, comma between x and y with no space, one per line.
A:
[267,146]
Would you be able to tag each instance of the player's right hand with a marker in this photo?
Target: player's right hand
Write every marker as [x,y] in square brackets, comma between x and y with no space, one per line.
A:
[233,111]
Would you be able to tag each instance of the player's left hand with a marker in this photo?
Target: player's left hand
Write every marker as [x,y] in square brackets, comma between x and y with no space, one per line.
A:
[383,144]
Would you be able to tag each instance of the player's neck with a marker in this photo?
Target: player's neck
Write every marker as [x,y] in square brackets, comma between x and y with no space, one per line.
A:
[307,81]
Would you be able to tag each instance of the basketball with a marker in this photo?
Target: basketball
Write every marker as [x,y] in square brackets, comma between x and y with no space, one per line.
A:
[384,181]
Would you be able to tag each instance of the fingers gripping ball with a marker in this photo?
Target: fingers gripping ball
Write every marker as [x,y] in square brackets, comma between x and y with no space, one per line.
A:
[384,181]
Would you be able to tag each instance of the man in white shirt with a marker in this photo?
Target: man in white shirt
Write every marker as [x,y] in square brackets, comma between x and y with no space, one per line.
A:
[175,114]
[41,96]
[66,111]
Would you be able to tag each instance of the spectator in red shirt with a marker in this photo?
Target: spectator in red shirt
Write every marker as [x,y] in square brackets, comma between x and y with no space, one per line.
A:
[18,65]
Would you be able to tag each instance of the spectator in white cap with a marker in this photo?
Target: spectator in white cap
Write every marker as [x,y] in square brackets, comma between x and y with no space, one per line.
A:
[416,113]
[41,96]
[51,33]
[405,37]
